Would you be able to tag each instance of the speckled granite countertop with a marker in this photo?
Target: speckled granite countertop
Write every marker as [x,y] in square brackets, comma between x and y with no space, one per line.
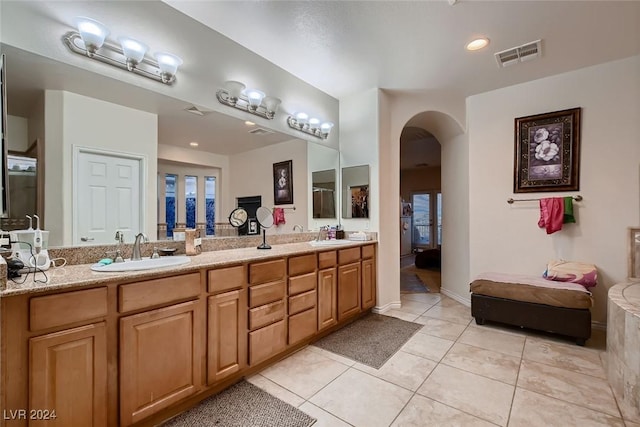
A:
[78,276]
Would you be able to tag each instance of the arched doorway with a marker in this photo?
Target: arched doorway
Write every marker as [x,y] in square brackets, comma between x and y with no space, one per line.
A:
[421,211]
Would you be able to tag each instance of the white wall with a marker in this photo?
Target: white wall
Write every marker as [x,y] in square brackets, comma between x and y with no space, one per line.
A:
[17,133]
[251,174]
[609,95]
[358,146]
[75,120]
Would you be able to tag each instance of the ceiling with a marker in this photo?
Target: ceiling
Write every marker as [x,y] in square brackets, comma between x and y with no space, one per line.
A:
[345,47]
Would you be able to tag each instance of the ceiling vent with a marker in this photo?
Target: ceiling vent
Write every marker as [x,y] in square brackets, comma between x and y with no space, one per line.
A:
[523,53]
[197,111]
[260,131]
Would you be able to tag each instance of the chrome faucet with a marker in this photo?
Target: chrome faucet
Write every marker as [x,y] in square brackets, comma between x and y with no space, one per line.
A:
[298,227]
[136,246]
[323,228]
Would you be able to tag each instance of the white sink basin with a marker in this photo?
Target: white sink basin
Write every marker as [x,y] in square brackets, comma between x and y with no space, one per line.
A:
[336,242]
[143,264]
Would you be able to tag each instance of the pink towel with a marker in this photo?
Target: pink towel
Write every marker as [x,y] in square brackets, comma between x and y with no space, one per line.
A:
[551,214]
[278,216]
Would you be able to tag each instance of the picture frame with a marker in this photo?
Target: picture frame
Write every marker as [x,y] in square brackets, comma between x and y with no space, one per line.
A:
[547,152]
[283,183]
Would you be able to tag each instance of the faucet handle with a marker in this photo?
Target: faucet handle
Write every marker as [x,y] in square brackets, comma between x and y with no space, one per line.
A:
[120,236]
[155,253]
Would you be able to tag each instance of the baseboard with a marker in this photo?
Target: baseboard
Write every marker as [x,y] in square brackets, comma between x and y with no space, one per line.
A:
[598,326]
[462,300]
[390,306]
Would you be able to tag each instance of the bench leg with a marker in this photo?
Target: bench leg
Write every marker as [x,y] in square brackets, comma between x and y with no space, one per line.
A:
[581,341]
[479,321]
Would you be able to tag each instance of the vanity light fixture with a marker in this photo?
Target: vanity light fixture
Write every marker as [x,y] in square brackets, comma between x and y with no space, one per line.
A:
[235,94]
[90,40]
[311,125]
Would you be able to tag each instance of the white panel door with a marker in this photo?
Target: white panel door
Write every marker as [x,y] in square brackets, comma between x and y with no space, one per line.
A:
[108,198]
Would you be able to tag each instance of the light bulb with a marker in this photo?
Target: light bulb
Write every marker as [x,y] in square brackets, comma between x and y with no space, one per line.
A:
[133,50]
[168,64]
[302,119]
[325,128]
[314,123]
[92,32]
[255,98]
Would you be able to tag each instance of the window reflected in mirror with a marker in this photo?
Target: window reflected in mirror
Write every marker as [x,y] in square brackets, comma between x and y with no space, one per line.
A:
[170,202]
[324,193]
[355,190]
[190,196]
[210,204]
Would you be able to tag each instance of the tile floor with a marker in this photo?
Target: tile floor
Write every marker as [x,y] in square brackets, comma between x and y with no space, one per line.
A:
[453,373]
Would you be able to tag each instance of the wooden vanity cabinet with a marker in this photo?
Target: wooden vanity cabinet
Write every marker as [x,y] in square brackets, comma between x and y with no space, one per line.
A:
[68,363]
[349,283]
[303,315]
[68,375]
[327,290]
[368,277]
[226,322]
[267,310]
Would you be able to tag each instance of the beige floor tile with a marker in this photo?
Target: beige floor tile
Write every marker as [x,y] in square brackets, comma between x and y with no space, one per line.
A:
[631,424]
[508,344]
[421,412]
[483,362]
[362,400]
[450,302]
[332,356]
[572,387]
[403,369]
[505,329]
[324,418]
[414,307]
[535,410]
[476,395]
[427,346]
[456,314]
[305,372]
[275,390]
[566,356]
[409,317]
[440,328]
[428,298]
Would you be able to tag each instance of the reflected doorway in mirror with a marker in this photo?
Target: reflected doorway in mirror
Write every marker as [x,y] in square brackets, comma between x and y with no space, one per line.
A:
[360,201]
[283,183]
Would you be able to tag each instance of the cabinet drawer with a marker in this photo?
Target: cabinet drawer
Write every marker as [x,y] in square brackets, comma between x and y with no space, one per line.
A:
[327,259]
[302,264]
[266,314]
[149,293]
[302,325]
[302,302]
[226,279]
[346,256]
[70,307]
[263,294]
[368,251]
[268,271]
[302,283]
[267,342]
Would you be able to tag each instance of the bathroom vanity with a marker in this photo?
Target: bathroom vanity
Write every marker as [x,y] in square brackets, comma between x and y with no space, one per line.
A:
[135,348]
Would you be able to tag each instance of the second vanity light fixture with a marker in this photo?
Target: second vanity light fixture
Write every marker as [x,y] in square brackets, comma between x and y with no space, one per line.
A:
[90,41]
[302,122]
[235,94]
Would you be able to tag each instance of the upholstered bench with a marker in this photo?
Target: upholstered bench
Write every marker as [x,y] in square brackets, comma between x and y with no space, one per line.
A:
[533,302]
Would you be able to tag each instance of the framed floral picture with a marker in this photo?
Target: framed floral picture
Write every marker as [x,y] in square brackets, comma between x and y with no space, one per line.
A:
[547,152]
[283,183]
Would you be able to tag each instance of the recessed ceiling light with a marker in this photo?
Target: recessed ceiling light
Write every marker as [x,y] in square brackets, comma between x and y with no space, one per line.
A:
[193,144]
[478,44]
[249,123]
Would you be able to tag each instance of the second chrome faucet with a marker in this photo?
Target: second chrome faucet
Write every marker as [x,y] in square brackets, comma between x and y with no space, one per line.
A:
[135,256]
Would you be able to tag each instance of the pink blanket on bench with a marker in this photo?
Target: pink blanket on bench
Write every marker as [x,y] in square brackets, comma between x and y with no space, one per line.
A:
[532,280]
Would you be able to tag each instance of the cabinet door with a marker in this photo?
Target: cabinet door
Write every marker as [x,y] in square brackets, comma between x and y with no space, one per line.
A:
[227,334]
[68,374]
[348,290]
[368,283]
[327,298]
[160,354]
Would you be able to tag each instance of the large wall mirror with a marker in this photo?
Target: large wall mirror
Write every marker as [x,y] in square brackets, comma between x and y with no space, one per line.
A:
[355,192]
[323,191]
[192,186]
